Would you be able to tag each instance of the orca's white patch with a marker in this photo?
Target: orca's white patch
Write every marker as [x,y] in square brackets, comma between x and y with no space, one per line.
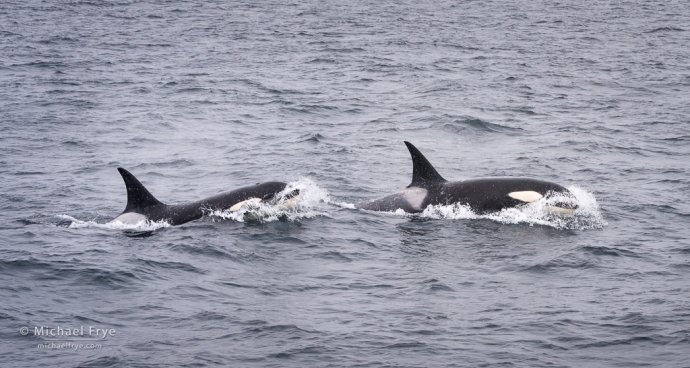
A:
[237,206]
[130,218]
[414,196]
[527,196]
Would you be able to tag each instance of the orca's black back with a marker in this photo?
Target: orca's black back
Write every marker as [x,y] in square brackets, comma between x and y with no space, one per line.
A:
[488,194]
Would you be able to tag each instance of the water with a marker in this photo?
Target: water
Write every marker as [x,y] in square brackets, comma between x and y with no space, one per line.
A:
[195,98]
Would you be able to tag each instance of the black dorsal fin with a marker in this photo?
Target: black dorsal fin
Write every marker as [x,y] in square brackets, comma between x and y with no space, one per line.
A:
[422,171]
[138,196]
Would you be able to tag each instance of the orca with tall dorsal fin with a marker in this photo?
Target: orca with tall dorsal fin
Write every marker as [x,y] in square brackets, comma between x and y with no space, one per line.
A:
[482,196]
[143,206]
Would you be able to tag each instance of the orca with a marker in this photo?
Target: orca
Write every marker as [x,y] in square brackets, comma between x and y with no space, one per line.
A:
[485,195]
[143,206]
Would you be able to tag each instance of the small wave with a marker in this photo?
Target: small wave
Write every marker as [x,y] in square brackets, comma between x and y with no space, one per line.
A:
[141,226]
[310,196]
[587,216]
[476,125]
[314,138]
[666,29]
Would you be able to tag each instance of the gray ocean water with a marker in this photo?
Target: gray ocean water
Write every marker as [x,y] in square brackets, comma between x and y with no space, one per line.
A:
[198,97]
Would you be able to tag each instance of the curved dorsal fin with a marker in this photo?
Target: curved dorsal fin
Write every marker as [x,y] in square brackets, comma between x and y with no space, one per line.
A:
[422,171]
[138,197]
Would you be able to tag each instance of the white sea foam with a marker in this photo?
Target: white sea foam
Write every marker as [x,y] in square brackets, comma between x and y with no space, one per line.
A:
[350,206]
[143,225]
[586,216]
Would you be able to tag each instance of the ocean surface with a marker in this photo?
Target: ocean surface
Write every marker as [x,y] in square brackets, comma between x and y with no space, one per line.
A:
[199,97]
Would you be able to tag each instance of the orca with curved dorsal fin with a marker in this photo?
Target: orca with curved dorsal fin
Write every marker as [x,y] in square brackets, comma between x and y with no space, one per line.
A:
[138,197]
[143,206]
[484,195]
[422,171]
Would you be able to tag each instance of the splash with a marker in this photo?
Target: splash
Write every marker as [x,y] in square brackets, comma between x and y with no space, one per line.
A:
[305,206]
[586,216]
[143,225]
[350,206]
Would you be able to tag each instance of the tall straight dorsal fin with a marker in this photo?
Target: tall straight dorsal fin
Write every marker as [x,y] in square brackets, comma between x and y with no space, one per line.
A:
[138,196]
[422,171]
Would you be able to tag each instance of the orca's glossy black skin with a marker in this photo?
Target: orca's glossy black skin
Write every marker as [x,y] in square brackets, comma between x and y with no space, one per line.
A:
[484,195]
[141,201]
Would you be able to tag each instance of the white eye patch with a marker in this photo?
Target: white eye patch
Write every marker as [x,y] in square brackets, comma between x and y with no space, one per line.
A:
[526,196]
